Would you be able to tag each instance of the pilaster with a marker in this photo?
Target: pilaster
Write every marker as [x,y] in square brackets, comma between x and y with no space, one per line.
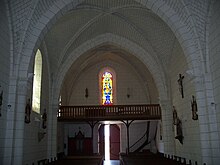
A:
[167,124]
[22,88]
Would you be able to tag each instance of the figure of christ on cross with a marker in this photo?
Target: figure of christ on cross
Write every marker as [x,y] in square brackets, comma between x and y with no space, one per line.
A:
[180,82]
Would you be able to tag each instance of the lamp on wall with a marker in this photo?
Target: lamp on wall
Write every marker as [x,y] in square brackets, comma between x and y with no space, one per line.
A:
[128,92]
[86,93]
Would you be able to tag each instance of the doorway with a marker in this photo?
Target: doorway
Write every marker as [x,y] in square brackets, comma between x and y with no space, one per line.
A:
[109,141]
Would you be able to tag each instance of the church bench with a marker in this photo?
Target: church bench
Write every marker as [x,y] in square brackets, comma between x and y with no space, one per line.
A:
[42,161]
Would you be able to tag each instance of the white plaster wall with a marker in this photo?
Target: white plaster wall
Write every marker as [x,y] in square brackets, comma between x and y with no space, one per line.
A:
[136,130]
[125,78]
[60,137]
[4,73]
[214,52]
[191,148]
[73,129]
[35,150]
[214,57]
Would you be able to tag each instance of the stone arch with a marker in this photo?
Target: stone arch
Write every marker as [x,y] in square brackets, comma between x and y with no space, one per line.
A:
[177,22]
[123,43]
[36,32]
[180,28]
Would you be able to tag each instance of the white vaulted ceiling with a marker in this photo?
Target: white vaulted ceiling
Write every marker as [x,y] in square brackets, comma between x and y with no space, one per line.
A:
[127,19]
[123,18]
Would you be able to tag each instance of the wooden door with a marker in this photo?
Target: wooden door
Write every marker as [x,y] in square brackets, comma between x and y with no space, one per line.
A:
[114,142]
[101,140]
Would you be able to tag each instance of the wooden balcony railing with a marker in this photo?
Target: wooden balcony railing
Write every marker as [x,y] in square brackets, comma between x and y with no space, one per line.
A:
[113,112]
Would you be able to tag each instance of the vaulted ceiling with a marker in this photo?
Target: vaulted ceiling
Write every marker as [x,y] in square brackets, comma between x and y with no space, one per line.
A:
[127,19]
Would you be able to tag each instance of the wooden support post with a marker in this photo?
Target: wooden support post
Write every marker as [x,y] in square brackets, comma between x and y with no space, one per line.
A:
[92,125]
[127,124]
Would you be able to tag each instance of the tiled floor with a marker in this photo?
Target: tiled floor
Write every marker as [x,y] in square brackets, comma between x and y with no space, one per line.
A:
[112,162]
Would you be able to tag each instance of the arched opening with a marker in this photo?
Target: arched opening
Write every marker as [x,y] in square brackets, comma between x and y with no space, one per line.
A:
[109,141]
[37,82]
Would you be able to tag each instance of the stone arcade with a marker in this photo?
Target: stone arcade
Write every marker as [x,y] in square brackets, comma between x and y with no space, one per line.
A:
[54,53]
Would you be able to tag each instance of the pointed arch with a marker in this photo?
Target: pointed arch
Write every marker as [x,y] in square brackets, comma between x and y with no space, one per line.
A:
[37,82]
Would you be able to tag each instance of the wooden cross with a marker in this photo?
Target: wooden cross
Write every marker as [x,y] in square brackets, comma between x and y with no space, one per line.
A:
[180,82]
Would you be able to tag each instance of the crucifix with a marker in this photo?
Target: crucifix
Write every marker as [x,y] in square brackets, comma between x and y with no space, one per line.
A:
[180,82]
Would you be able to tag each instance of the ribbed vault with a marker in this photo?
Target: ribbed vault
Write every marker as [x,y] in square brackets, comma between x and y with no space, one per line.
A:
[127,19]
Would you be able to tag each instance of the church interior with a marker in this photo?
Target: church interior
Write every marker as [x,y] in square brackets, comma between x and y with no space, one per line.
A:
[109,82]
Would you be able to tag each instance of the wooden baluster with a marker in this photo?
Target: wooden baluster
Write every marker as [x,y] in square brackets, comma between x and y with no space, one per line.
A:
[101,111]
[67,112]
[82,111]
[88,111]
[70,111]
[64,111]
[97,112]
[75,112]
[153,110]
[184,160]
[190,162]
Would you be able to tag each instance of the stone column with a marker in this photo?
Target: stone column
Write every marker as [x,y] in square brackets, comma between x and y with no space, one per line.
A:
[17,157]
[8,151]
[209,135]
[52,132]
[167,125]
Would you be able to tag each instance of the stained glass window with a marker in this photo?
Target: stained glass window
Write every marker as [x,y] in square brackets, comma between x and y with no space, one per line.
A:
[107,90]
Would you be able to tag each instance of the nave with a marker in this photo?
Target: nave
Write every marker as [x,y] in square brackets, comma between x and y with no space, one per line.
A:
[125,159]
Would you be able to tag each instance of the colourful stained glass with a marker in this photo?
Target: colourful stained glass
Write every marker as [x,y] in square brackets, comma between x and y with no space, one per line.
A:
[107,90]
